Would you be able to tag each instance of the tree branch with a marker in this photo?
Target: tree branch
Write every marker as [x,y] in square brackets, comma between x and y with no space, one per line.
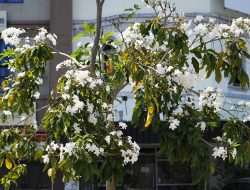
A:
[99,5]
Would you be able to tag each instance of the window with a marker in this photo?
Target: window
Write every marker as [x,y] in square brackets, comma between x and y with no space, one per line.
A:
[4,71]
[11,1]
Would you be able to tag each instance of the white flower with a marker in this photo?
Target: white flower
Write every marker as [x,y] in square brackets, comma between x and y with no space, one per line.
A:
[45,159]
[160,69]
[41,36]
[36,95]
[79,44]
[77,129]
[6,112]
[11,35]
[211,98]
[65,64]
[220,152]
[92,119]
[39,81]
[52,38]
[198,18]
[241,103]
[54,146]
[202,125]
[173,123]
[218,138]
[20,75]
[23,117]
[104,105]
[65,96]
[186,79]
[123,125]
[234,153]
[90,107]
[110,117]
[93,148]
[35,125]
[27,40]
[107,139]
[78,105]
[69,147]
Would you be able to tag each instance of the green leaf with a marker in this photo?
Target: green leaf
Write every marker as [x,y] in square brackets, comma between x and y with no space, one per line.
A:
[78,36]
[129,9]
[197,52]
[195,64]
[130,16]
[218,76]
[137,7]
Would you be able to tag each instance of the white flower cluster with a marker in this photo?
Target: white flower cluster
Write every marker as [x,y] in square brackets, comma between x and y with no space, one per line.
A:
[220,152]
[133,37]
[43,35]
[6,112]
[130,155]
[212,30]
[123,125]
[92,119]
[77,107]
[211,98]
[11,35]
[202,125]
[185,78]
[77,128]
[65,64]
[173,123]
[244,104]
[94,149]
[68,148]
[83,78]
[234,153]
[242,110]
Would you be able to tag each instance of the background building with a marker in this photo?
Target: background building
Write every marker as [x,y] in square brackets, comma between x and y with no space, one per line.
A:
[65,18]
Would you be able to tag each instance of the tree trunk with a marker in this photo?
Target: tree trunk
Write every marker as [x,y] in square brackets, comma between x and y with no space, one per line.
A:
[110,185]
[99,6]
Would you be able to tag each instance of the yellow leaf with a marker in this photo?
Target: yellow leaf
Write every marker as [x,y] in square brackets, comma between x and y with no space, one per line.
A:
[50,172]
[4,84]
[10,100]
[135,88]
[149,116]
[109,66]
[212,168]
[8,163]
[1,163]
[30,75]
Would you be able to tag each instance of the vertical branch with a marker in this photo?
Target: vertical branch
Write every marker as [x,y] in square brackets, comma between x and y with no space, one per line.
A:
[99,6]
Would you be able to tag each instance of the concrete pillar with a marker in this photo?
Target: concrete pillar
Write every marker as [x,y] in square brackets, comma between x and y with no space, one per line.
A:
[61,23]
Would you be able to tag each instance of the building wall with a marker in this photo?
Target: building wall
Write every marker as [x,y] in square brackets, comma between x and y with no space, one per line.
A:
[30,10]
[115,7]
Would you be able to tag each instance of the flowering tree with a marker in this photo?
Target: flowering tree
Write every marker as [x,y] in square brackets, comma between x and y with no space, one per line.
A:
[162,59]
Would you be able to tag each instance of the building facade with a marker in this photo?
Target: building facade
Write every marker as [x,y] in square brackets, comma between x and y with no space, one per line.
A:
[65,18]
